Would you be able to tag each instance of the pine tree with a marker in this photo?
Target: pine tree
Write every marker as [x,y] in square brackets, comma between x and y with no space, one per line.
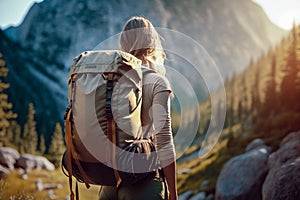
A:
[30,135]
[228,95]
[297,94]
[17,140]
[6,113]
[230,111]
[240,111]
[244,98]
[42,144]
[288,88]
[14,133]
[270,103]
[57,146]
[255,97]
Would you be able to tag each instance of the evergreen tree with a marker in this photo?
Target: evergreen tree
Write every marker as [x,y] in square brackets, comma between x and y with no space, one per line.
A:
[297,94]
[17,140]
[30,135]
[57,146]
[42,144]
[255,97]
[240,111]
[14,134]
[244,98]
[227,118]
[6,113]
[270,103]
[230,111]
[288,88]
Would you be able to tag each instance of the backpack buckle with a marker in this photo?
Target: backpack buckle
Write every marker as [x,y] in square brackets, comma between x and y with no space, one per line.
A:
[109,91]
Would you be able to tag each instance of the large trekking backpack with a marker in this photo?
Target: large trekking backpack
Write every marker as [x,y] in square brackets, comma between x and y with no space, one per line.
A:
[103,125]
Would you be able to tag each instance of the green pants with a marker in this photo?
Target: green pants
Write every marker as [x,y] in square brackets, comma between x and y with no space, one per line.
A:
[154,189]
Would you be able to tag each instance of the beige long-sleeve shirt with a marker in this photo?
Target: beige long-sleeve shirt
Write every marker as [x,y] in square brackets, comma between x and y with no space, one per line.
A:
[156,110]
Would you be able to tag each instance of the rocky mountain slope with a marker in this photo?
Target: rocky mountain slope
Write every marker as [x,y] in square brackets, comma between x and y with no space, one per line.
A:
[264,175]
[257,155]
[39,51]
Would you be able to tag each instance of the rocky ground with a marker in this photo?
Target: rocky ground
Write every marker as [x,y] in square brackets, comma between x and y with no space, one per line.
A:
[259,174]
[256,174]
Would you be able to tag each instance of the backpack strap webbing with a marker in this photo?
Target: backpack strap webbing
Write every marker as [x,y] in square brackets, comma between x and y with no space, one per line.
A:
[111,131]
[71,151]
[111,126]
[68,152]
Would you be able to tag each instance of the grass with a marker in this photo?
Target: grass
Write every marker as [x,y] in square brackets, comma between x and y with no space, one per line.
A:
[230,144]
[13,187]
[233,142]
[209,167]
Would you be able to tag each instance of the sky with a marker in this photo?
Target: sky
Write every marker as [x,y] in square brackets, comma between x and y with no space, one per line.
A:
[281,12]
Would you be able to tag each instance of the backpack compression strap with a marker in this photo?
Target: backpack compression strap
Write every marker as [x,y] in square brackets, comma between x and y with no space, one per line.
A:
[111,125]
[68,151]
[71,151]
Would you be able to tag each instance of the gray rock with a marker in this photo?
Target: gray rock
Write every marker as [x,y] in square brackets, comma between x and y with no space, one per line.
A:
[242,176]
[8,157]
[44,163]
[199,196]
[52,195]
[184,171]
[255,144]
[283,179]
[26,162]
[46,186]
[210,197]
[185,195]
[29,162]
[204,184]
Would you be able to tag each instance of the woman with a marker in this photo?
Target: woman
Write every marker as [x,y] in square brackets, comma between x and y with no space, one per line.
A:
[140,39]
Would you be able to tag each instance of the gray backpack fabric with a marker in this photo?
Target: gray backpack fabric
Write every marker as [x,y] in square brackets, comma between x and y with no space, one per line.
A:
[89,101]
[94,107]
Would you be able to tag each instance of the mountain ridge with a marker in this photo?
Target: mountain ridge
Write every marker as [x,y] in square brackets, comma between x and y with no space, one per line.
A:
[53,32]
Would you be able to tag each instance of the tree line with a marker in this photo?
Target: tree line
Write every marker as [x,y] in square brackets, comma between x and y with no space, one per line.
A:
[270,92]
[26,139]
[264,100]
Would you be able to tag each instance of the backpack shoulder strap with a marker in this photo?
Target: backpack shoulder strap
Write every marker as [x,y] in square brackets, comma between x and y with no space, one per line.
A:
[71,151]
[111,126]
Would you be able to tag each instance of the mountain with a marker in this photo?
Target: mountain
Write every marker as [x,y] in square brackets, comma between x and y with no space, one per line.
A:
[34,79]
[39,51]
[262,121]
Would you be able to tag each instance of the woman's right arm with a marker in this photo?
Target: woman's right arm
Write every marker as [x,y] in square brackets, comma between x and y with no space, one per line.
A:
[164,139]
[170,175]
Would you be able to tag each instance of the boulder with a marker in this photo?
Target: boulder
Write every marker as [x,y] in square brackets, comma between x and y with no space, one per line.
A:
[3,172]
[199,196]
[44,163]
[29,162]
[255,144]
[204,184]
[242,176]
[186,195]
[26,162]
[46,186]
[210,197]
[8,157]
[184,171]
[283,179]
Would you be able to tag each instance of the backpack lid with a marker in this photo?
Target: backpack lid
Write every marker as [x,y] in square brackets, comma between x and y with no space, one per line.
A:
[103,61]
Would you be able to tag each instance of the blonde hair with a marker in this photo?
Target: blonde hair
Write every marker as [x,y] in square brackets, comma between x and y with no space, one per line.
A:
[140,39]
